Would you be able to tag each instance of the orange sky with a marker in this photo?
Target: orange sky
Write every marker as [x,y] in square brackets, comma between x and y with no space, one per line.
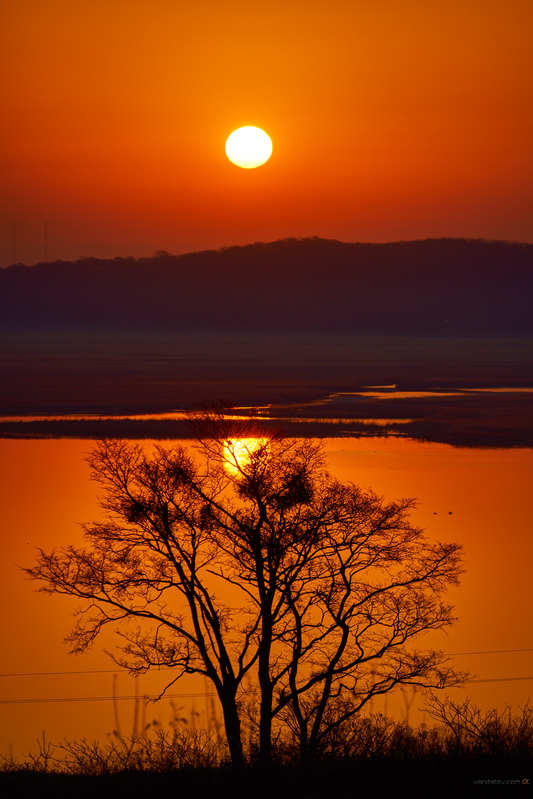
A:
[391,119]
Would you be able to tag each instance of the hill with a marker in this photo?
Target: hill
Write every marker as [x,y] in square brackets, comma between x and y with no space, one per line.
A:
[429,287]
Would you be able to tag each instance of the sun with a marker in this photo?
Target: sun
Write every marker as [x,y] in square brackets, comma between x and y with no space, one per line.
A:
[248,147]
[238,453]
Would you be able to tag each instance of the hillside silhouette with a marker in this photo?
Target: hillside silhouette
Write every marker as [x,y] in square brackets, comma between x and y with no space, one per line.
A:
[429,287]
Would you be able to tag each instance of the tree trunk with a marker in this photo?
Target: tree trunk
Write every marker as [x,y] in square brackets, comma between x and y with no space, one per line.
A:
[303,741]
[232,726]
[265,683]
[265,725]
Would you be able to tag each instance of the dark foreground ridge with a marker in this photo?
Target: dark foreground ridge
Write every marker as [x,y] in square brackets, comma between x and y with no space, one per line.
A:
[430,287]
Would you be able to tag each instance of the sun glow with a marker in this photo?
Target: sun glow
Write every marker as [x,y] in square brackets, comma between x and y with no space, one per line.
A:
[248,147]
[238,453]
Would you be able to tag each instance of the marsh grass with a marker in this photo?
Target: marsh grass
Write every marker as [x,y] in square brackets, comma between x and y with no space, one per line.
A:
[462,734]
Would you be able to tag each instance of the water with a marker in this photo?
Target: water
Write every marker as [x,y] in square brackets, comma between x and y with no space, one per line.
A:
[466,417]
[474,496]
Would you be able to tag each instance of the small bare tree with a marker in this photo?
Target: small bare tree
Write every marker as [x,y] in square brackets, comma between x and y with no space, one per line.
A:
[243,559]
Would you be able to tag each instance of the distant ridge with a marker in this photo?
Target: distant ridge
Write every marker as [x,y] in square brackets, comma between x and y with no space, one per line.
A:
[423,287]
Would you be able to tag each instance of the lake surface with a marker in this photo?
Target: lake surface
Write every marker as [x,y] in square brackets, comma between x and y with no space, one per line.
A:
[477,497]
[473,416]
[117,372]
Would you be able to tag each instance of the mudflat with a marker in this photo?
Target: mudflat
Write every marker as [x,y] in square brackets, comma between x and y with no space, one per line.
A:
[464,391]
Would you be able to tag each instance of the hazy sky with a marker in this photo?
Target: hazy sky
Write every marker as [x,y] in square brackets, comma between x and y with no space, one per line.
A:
[390,120]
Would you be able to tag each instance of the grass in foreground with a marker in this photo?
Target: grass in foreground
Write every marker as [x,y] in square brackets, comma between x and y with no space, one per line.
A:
[374,752]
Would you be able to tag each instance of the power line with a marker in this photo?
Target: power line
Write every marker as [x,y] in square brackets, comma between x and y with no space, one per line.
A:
[45,700]
[489,652]
[115,671]
[501,679]
[60,673]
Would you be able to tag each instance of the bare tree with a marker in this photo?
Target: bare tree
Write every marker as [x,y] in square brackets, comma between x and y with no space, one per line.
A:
[243,560]
[368,587]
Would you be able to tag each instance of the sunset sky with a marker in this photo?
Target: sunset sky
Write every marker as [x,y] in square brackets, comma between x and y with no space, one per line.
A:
[390,119]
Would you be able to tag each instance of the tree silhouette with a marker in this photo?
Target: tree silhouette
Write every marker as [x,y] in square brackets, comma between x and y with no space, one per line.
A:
[243,560]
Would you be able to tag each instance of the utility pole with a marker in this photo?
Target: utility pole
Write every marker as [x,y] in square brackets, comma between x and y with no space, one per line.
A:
[45,240]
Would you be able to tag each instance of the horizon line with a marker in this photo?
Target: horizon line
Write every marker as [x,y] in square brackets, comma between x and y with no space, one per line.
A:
[162,253]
